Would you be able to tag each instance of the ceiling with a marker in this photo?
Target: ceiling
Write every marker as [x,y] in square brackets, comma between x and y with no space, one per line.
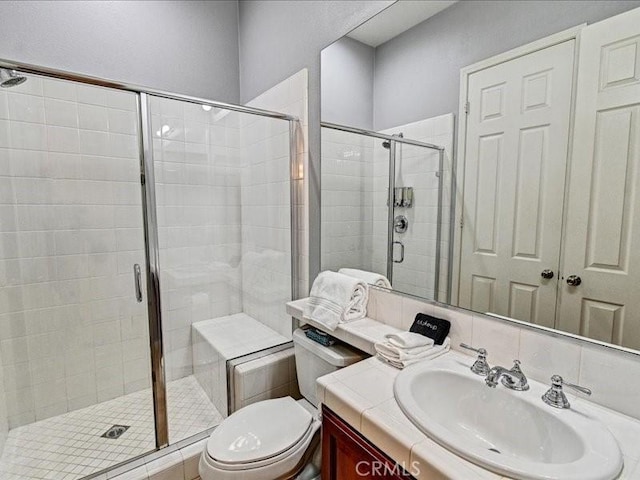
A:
[396,19]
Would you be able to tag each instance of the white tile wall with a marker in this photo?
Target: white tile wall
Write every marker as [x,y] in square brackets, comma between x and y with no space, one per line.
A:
[347,199]
[610,373]
[266,221]
[71,332]
[291,96]
[355,182]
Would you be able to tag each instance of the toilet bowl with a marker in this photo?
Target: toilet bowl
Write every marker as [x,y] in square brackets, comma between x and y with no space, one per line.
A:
[277,438]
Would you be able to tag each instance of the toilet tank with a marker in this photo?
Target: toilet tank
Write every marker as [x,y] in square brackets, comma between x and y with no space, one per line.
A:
[314,361]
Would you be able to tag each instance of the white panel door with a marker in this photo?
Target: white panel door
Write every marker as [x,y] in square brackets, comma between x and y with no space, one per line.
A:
[602,237]
[515,165]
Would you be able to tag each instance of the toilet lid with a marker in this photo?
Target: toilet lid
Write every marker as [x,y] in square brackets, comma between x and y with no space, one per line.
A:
[259,431]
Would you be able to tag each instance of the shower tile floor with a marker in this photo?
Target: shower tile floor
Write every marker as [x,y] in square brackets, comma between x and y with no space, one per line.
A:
[70,446]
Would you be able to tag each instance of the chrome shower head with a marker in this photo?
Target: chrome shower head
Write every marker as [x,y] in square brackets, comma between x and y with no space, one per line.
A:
[10,78]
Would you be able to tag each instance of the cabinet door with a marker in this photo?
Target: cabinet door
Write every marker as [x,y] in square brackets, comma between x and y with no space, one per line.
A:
[346,455]
[603,210]
[515,162]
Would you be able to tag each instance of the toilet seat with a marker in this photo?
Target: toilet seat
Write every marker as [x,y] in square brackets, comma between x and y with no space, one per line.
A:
[267,439]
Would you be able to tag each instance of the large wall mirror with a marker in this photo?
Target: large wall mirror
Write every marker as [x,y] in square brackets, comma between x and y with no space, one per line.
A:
[486,154]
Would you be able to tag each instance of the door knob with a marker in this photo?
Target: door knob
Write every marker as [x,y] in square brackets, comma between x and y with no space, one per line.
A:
[547,274]
[573,280]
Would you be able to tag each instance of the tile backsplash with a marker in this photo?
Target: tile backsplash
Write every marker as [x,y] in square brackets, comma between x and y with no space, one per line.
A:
[611,374]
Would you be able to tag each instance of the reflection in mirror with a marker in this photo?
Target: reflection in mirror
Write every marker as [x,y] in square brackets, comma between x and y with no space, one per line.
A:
[536,216]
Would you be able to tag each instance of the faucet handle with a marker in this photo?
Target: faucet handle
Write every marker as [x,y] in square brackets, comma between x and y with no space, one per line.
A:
[556,397]
[480,366]
[516,366]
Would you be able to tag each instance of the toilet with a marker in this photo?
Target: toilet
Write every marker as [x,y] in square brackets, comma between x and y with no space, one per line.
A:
[278,438]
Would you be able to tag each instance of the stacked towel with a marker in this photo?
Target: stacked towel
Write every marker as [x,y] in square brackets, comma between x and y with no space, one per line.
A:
[406,348]
[369,277]
[336,298]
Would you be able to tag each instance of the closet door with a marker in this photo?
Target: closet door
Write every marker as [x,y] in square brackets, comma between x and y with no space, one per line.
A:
[515,163]
[603,221]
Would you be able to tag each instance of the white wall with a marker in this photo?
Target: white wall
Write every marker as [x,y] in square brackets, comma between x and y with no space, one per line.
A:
[71,331]
[417,73]
[183,47]
[347,79]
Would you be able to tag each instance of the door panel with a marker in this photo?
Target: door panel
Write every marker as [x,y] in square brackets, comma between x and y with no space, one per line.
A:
[603,204]
[515,164]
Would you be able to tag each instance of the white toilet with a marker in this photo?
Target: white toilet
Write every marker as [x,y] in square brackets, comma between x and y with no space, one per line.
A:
[275,439]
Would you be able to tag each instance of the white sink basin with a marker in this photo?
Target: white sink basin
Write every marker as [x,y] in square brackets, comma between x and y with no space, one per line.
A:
[508,432]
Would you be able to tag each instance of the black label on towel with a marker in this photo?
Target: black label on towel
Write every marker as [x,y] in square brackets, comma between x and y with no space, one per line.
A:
[432,327]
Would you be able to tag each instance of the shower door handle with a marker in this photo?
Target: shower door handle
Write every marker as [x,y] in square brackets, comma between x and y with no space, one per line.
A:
[401,252]
[137,280]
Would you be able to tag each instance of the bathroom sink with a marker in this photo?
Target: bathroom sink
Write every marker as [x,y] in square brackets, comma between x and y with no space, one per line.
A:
[509,432]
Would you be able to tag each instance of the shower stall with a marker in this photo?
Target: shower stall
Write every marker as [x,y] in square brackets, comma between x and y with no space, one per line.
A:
[383,200]
[146,246]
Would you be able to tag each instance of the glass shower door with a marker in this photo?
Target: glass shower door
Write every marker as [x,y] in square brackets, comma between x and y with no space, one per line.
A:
[417,212]
[73,313]
[222,184]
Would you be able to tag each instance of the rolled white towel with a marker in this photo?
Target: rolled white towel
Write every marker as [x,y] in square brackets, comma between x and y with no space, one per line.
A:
[410,359]
[408,340]
[370,277]
[336,298]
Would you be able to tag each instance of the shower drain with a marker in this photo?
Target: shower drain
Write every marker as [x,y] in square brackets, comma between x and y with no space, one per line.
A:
[115,432]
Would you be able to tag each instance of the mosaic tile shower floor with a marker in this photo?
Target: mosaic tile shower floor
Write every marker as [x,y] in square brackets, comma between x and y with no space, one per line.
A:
[70,446]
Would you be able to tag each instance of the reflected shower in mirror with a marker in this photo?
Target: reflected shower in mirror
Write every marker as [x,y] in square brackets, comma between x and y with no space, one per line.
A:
[533,216]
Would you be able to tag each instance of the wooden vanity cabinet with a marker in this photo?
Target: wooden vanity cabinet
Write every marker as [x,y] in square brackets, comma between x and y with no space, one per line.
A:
[347,455]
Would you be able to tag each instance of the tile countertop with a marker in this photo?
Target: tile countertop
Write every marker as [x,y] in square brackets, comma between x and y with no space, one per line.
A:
[362,395]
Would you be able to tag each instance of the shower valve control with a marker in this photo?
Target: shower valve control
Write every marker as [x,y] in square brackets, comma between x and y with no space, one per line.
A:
[400,224]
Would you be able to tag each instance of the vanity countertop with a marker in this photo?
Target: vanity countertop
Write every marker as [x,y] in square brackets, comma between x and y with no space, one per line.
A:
[362,395]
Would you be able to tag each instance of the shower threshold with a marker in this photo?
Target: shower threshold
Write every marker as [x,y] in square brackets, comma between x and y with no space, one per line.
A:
[71,446]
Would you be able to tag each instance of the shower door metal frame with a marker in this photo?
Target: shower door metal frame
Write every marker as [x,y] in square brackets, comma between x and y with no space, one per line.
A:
[149,212]
[394,140]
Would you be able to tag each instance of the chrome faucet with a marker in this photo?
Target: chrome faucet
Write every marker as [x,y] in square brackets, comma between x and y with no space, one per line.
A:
[513,379]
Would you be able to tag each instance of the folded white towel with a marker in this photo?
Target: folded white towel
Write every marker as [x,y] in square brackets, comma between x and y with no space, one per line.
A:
[408,340]
[402,361]
[370,277]
[395,353]
[336,298]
